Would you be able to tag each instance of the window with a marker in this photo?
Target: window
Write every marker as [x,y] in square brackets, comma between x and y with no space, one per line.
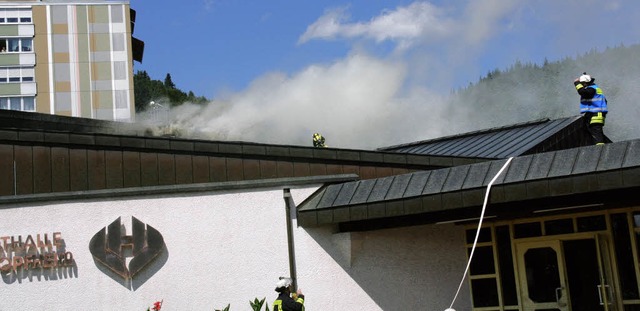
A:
[15,103]
[26,103]
[26,44]
[16,44]
[20,15]
[16,74]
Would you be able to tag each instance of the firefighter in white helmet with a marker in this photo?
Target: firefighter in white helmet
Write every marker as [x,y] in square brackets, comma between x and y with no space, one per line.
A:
[285,302]
[593,106]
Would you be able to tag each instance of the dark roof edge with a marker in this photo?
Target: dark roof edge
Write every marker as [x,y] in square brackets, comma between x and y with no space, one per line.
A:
[294,182]
[232,148]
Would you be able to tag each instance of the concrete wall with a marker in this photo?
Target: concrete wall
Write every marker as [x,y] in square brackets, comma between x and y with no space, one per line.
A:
[230,247]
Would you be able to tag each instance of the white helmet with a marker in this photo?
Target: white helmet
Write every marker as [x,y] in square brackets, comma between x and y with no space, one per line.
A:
[283,283]
[585,78]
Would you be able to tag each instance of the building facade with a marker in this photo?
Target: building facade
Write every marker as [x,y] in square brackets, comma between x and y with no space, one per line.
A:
[70,58]
[116,221]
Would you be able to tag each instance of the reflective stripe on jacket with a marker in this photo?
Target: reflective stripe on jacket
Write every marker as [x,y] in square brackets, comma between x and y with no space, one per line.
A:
[288,304]
[596,104]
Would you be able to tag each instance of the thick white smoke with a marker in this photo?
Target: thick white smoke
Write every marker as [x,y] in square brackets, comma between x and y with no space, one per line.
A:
[366,100]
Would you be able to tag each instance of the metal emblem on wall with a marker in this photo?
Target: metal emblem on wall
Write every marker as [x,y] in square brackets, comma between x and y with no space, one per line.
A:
[111,247]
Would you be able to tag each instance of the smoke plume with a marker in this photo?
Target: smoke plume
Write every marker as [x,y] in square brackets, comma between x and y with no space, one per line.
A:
[369,99]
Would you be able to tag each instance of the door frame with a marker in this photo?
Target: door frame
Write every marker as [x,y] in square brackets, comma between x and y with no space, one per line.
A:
[563,304]
[607,266]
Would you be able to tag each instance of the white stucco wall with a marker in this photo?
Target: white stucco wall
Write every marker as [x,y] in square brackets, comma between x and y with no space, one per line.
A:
[230,247]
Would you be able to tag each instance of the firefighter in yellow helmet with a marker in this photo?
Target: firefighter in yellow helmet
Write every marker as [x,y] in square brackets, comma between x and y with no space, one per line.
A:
[318,141]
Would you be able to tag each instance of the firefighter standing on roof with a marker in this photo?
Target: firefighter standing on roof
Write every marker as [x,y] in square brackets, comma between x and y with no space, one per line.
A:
[593,106]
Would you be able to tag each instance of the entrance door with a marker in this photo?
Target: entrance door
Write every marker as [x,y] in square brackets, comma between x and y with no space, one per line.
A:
[543,286]
[563,275]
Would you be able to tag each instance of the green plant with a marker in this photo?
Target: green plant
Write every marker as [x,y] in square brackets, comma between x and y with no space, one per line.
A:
[256,304]
[225,309]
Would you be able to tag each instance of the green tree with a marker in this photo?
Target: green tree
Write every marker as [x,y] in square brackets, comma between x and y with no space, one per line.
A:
[147,90]
[168,83]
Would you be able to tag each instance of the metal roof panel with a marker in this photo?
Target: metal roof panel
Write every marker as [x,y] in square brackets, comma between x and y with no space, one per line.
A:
[380,189]
[518,168]
[477,175]
[563,162]
[540,165]
[632,157]
[499,142]
[612,156]
[345,194]
[363,191]
[587,159]
[494,168]
[417,183]
[330,195]
[398,187]
[456,178]
[436,181]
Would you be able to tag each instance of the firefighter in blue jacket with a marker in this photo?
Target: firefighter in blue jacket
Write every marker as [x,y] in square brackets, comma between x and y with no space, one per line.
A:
[285,302]
[593,106]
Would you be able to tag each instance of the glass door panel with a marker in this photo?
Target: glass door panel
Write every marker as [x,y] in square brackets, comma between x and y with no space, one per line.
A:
[542,276]
[607,289]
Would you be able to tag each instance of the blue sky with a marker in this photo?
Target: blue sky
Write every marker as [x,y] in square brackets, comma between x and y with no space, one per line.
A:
[300,59]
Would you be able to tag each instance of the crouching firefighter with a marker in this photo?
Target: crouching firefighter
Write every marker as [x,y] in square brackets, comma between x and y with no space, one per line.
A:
[318,141]
[285,302]
[593,106]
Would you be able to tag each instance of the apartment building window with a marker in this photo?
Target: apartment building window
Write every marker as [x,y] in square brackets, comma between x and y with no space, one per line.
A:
[16,45]
[21,103]
[16,74]
[15,16]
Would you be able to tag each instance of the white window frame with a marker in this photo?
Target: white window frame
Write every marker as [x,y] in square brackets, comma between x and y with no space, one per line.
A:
[22,16]
[5,44]
[9,100]
[23,74]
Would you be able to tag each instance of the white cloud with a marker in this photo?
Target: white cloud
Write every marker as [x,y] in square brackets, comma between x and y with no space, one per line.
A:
[417,21]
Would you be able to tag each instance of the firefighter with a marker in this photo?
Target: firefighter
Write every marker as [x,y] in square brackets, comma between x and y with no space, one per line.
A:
[593,106]
[318,141]
[285,302]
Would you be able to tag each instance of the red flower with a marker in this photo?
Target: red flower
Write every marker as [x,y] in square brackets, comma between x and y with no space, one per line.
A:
[157,305]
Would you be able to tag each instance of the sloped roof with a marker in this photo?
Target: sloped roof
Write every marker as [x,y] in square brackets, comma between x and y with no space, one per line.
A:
[503,142]
[577,172]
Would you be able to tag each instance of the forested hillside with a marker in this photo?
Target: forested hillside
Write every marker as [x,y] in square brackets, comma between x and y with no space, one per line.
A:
[527,92]
[165,93]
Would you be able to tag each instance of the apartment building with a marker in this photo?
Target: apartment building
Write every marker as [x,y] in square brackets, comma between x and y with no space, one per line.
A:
[70,58]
